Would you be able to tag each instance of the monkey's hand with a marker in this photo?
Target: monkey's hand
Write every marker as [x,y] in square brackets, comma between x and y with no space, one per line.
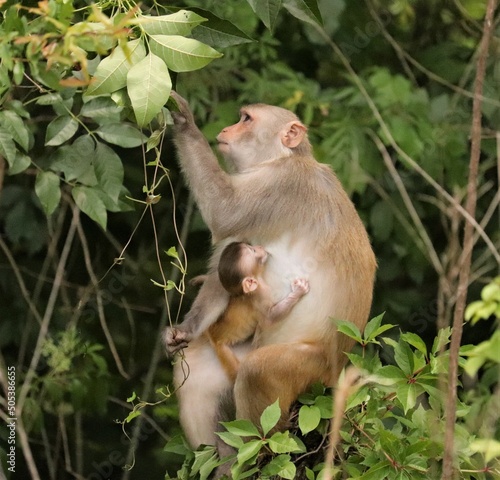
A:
[176,338]
[184,117]
[300,286]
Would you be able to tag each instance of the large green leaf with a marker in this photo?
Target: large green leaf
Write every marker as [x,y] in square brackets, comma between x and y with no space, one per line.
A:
[111,73]
[48,191]
[21,163]
[108,170]
[178,23]
[270,417]
[89,202]
[182,54]
[309,418]
[121,134]
[217,32]
[75,161]
[306,10]
[267,11]
[14,124]
[60,130]
[148,86]
[7,146]
[102,109]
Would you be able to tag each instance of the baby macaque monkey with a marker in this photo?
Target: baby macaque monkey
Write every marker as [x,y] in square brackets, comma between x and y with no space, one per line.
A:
[241,268]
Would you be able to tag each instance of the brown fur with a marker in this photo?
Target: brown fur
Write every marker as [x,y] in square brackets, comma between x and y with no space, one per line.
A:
[281,198]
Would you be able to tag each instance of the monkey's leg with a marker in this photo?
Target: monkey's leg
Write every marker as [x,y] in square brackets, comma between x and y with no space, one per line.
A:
[208,306]
[281,371]
[200,381]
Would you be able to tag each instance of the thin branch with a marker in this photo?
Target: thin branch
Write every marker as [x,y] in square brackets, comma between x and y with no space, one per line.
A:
[448,471]
[49,310]
[387,133]
[422,232]
[158,347]
[20,281]
[100,306]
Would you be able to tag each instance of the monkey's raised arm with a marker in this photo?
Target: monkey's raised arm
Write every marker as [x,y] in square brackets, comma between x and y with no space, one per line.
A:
[208,182]
[278,311]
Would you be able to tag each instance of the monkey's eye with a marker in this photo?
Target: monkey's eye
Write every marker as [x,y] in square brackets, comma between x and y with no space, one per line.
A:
[245,117]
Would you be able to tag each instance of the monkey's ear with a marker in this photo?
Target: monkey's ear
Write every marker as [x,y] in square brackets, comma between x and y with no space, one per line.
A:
[249,284]
[294,134]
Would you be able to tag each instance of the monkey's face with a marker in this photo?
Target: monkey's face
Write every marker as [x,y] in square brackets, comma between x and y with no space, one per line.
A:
[252,260]
[256,138]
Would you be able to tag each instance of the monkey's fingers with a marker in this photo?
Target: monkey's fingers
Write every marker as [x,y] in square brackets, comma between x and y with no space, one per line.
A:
[184,114]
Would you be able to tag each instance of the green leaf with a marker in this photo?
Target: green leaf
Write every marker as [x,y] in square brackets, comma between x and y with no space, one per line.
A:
[231,439]
[306,10]
[177,445]
[243,428]
[282,442]
[178,23]
[49,99]
[442,339]
[108,170]
[172,252]
[281,466]
[349,329]
[249,451]
[490,448]
[101,108]
[7,146]
[182,54]
[390,374]
[415,341]
[407,395]
[111,73]
[325,405]
[148,86]
[21,163]
[48,191]
[404,358]
[373,328]
[309,418]
[122,134]
[75,161]
[60,130]
[267,11]
[89,202]
[15,125]
[217,32]
[270,417]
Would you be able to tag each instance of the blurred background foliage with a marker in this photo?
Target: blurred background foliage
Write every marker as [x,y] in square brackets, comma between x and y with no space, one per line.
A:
[416,62]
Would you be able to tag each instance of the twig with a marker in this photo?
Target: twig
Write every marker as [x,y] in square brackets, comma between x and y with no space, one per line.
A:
[422,232]
[158,348]
[44,327]
[387,133]
[100,306]
[467,245]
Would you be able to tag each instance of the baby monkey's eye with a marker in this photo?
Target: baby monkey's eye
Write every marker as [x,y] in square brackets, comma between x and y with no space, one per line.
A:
[245,117]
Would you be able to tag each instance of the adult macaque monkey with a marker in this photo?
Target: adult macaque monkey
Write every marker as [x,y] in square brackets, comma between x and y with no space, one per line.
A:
[280,197]
[251,308]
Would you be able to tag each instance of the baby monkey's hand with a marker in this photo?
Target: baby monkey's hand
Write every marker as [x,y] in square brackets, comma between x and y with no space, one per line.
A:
[300,286]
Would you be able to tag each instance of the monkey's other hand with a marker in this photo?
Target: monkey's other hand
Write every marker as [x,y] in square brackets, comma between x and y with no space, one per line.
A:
[300,286]
[184,116]
[175,339]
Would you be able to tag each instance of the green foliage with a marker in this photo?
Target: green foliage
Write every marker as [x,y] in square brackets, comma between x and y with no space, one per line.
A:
[82,93]
[77,376]
[393,422]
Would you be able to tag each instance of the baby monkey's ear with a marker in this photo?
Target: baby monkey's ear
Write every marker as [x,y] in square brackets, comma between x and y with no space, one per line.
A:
[249,284]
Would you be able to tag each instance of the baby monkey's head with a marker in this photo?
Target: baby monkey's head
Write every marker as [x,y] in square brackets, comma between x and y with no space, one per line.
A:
[241,266]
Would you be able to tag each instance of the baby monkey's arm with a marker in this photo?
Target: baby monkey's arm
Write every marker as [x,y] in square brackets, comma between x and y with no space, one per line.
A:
[300,286]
